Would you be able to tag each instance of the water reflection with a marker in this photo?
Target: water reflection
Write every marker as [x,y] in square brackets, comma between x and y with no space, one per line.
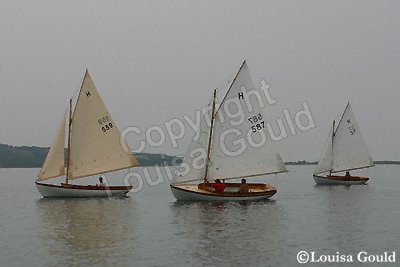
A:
[229,230]
[347,211]
[84,230]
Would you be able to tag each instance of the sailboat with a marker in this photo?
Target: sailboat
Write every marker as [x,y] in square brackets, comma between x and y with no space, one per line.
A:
[94,147]
[345,150]
[253,153]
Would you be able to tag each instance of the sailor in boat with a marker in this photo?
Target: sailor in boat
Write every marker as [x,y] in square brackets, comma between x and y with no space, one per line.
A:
[347,175]
[101,183]
[218,186]
[244,187]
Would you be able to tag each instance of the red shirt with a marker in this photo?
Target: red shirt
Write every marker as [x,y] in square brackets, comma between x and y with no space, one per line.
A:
[218,187]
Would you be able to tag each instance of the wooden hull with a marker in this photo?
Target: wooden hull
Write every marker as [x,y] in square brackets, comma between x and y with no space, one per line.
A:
[194,192]
[80,191]
[340,180]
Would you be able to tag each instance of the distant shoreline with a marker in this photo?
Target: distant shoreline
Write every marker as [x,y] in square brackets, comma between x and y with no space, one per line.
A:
[33,157]
[159,162]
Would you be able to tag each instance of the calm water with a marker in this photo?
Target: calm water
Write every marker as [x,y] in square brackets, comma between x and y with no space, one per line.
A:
[151,229]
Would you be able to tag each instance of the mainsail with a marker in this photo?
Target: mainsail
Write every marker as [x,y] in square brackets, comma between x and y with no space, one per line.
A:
[240,146]
[95,140]
[53,166]
[349,150]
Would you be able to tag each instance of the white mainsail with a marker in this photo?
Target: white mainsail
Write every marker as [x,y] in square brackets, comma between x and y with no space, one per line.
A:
[258,158]
[53,166]
[349,150]
[241,146]
[95,140]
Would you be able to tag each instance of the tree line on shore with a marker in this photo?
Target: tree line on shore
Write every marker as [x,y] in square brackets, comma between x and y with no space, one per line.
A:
[33,157]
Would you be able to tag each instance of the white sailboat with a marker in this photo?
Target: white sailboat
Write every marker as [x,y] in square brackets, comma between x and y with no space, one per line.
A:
[94,147]
[344,151]
[254,154]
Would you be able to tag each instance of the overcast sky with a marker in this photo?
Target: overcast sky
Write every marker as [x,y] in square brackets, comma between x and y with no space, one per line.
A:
[153,61]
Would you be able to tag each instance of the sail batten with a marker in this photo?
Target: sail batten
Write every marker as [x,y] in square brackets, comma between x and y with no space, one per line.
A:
[95,139]
[53,165]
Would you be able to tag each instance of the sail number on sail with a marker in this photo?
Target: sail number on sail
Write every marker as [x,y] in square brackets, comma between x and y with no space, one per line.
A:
[351,128]
[257,122]
[106,124]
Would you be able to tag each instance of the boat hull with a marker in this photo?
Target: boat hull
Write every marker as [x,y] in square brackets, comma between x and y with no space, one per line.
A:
[81,191]
[194,192]
[340,180]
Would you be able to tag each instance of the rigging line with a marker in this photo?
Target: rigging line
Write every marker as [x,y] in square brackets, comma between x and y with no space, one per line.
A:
[230,87]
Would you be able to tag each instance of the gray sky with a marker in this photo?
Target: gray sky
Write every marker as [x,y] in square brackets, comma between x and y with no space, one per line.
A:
[157,60]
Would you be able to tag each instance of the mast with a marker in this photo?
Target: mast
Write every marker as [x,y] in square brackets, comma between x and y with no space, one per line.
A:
[233,81]
[69,139]
[210,137]
[212,119]
[333,134]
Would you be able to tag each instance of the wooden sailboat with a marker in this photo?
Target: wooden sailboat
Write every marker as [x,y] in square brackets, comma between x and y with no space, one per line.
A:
[219,140]
[94,147]
[345,151]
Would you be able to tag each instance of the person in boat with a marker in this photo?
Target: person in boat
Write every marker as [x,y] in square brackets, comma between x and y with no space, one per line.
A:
[244,187]
[218,186]
[347,175]
[101,183]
